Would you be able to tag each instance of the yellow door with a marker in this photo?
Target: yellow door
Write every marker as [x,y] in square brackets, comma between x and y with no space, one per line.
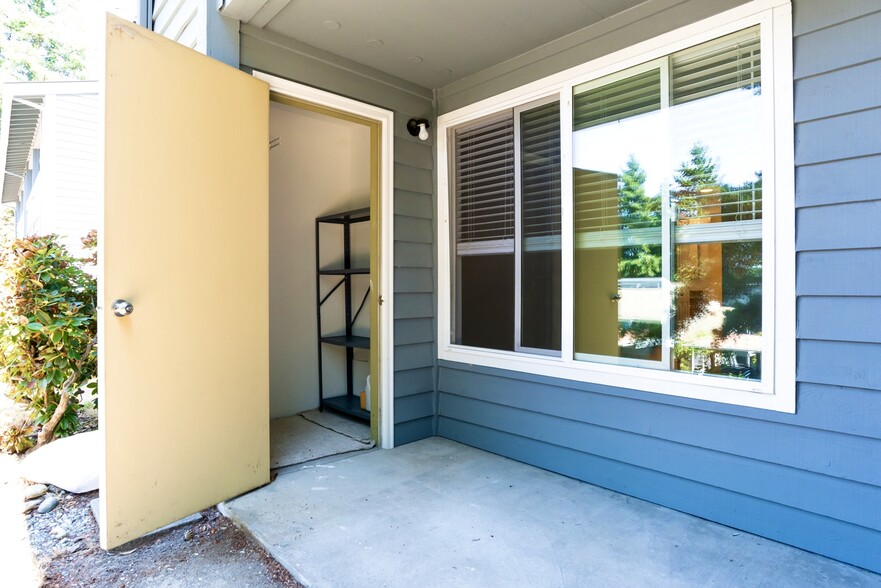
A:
[184,378]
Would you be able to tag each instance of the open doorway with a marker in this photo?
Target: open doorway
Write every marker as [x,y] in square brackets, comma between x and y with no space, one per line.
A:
[326,162]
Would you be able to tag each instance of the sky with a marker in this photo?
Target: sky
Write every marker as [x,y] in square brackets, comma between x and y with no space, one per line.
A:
[727,123]
[90,28]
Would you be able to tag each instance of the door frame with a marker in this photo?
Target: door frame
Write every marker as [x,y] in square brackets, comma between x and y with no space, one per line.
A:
[384,240]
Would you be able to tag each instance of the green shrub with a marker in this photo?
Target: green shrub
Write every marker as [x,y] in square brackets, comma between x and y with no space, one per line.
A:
[49,327]
[18,437]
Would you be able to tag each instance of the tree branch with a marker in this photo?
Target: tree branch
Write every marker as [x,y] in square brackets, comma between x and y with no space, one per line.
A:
[47,433]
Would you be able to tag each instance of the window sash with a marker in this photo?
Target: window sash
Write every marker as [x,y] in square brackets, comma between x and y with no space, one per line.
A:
[776,391]
[538,200]
[484,168]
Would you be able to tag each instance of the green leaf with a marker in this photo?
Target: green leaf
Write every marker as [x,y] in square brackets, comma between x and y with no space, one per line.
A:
[34,326]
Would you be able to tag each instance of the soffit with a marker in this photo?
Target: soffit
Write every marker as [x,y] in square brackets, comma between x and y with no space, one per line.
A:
[427,42]
[24,119]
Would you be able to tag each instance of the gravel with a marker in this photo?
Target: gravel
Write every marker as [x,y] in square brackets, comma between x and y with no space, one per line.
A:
[63,544]
[209,552]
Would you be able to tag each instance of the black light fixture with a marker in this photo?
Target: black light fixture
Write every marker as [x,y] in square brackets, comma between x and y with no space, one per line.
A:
[418,127]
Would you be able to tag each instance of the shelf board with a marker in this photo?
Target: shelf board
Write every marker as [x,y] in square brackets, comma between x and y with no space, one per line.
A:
[344,271]
[348,216]
[343,341]
[348,404]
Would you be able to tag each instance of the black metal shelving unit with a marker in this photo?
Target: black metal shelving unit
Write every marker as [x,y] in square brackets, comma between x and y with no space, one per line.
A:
[348,403]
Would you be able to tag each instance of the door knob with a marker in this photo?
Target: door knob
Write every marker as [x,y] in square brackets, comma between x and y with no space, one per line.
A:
[122,308]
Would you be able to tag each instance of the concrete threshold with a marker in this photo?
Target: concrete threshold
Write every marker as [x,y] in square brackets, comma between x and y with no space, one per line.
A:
[437,513]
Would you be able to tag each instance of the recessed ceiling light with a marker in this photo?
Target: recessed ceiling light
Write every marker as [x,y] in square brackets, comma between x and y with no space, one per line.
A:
[374,43]
[331,25]
[415,59]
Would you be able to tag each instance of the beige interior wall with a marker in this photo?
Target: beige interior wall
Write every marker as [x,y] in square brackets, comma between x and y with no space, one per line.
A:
[184,405]
[321,165]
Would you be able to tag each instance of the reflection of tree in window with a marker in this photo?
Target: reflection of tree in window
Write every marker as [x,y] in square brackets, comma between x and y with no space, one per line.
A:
[636,211]
[717,321]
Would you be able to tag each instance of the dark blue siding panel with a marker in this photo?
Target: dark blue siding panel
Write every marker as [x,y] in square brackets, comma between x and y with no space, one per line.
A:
[414,407]
[408,357]
[839,273]
[414,255]
[816,450]
[414,280]
[413,179]
[841,181]
[414,430]
[413,153]
[845,364]
[839,46]
[414,230]
[841,137]
[409,306]
[838,408]
[842,226]
[413,303]
[824,407]
[821,96]
[839,319]
[417,330]
[413,204]
[414,381]
[811,15]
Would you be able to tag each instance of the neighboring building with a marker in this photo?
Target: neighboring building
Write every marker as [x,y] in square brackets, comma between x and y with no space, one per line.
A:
[705,338]
[50,149]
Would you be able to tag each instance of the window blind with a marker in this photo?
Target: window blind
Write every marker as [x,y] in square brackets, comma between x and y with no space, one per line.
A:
[484,182]
[540,176]
[728,63]
[631,96]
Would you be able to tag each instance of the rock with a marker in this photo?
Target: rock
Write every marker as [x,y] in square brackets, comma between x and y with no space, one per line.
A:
[58,532]
[70,463]
[31,505]
[49,503]
[35,491]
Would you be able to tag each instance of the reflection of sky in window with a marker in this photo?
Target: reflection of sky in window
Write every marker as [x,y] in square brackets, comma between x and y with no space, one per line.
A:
[728,124]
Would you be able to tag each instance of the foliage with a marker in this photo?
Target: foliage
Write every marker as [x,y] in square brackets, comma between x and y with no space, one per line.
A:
[7,225]
[47,342]
[696,174]
[18,437]
[645,332]
[636,210]
[38,42]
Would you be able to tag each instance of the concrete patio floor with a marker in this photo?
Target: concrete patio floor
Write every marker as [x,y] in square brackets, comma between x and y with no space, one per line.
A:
[438,513]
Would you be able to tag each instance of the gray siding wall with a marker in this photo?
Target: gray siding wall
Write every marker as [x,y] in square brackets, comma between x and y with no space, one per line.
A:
[198,25]
[414,255]
[180,20]
[811,479]
[76,170]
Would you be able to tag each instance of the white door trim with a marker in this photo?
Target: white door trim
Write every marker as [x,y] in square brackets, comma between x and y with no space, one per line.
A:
[385,118]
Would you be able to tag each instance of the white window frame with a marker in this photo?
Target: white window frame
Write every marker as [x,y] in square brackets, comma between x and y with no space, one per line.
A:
[776,390]
[518,229]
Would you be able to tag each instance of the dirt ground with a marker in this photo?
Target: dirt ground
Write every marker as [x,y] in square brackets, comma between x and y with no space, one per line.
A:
[60,548]
[208,552]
